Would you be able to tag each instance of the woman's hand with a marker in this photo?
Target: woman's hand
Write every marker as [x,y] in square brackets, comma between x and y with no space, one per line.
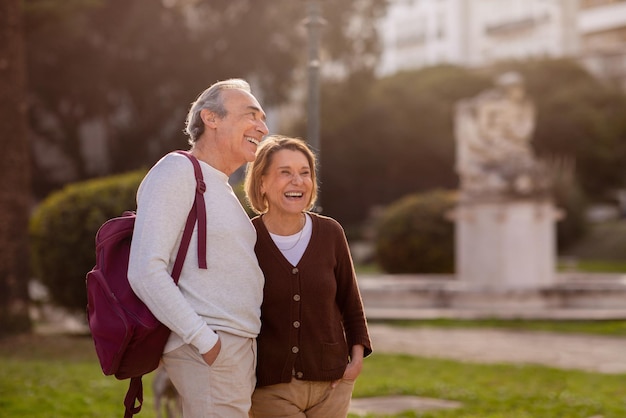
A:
[353,370]
[210,356]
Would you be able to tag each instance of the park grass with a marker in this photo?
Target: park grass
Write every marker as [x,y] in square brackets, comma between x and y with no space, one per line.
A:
[59,376]
[563,265]
[599,266]
[494,391]
[609,328]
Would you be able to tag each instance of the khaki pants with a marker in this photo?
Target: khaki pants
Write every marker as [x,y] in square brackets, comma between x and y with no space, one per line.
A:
[301,398]
[221,390]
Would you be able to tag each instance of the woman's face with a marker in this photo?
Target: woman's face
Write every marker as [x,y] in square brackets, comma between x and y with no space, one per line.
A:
[288,184]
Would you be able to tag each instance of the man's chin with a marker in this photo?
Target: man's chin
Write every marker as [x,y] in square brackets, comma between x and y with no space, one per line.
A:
[250,158]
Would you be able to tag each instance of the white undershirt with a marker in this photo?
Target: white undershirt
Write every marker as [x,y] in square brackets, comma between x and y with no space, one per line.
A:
[293,246]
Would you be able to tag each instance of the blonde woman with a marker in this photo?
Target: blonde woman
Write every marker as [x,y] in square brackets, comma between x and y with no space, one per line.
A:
[314,333]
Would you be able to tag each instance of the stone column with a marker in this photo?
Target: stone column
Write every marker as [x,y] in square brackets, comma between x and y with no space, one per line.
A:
[506,244]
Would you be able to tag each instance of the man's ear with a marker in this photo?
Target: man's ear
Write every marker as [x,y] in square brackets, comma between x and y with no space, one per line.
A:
[208,118]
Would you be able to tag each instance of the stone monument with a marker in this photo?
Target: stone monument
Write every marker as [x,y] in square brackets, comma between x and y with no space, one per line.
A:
[505,219]
[505,224]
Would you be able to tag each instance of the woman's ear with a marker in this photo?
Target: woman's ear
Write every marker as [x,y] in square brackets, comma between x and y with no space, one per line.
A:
[262,186]
[208,118]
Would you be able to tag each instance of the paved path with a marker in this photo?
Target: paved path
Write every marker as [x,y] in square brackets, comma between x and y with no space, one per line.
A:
[583,352]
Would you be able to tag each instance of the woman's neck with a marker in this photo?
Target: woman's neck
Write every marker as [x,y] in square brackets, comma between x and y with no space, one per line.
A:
[284,224]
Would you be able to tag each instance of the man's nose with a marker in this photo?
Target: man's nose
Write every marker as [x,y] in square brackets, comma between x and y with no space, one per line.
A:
[262,127]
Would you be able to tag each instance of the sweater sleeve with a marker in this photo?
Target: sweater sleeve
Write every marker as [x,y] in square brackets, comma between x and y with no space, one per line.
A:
[349,296]
[163,202]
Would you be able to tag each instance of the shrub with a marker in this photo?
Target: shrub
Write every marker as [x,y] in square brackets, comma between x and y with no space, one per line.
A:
[414,236]
[63,230]
[241,195]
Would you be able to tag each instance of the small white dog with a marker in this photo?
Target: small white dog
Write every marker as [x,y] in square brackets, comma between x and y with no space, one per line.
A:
[165,393]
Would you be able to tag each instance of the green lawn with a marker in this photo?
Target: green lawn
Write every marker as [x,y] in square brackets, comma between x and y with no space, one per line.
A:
[580,265]
[599,266]
[59,376]
[495,391]
[615,328]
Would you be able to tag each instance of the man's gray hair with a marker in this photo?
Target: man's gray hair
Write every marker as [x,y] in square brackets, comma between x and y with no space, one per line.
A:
[210,99]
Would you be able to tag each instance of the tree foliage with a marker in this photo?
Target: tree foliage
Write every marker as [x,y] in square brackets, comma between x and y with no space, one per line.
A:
[383,139]
[132,67]
[392,137]
[580,118]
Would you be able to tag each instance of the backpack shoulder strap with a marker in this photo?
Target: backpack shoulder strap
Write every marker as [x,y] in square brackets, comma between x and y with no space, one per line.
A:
[197,212]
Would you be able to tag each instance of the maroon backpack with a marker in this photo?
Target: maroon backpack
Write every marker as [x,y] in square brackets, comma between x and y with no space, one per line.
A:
[129,340]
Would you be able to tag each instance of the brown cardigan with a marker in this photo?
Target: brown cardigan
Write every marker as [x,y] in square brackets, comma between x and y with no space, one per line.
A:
[311,314]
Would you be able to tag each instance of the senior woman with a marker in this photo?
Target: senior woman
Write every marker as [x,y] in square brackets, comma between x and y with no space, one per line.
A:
[314,333]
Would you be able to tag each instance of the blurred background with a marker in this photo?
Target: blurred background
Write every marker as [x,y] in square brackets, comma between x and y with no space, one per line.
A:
[94,92]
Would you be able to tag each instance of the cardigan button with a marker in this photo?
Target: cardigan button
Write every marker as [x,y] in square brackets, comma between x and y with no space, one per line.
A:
[295,270]
[294,349]
[296,324]
[296,298]
[299,375]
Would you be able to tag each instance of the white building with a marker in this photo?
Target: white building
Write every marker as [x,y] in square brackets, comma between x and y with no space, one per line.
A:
[477,33]
[602,29]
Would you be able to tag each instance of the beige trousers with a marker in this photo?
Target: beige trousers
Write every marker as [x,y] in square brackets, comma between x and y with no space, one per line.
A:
[301,398]
[221,390]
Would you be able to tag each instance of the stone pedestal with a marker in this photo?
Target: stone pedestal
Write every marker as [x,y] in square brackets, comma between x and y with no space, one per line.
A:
[508,244]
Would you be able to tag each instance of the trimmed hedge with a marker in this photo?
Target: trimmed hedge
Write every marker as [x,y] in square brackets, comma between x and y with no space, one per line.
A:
[414,236]
[63,230]
[241,195]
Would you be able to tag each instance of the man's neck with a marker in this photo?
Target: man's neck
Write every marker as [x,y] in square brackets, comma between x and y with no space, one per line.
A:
[203,151]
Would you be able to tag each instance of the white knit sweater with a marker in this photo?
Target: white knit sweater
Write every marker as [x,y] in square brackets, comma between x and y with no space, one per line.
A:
[227,296]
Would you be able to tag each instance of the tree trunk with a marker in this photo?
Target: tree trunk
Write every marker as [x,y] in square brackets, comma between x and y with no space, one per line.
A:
[15,196]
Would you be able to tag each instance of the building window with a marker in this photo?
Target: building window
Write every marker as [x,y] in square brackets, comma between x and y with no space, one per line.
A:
[587,4]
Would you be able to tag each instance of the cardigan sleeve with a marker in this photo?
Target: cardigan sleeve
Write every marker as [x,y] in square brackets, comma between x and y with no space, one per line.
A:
[348,295]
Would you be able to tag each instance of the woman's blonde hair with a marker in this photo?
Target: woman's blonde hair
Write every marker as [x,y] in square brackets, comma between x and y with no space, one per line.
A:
[257,169]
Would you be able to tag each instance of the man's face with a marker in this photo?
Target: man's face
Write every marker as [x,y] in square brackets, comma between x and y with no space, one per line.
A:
[242,129]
